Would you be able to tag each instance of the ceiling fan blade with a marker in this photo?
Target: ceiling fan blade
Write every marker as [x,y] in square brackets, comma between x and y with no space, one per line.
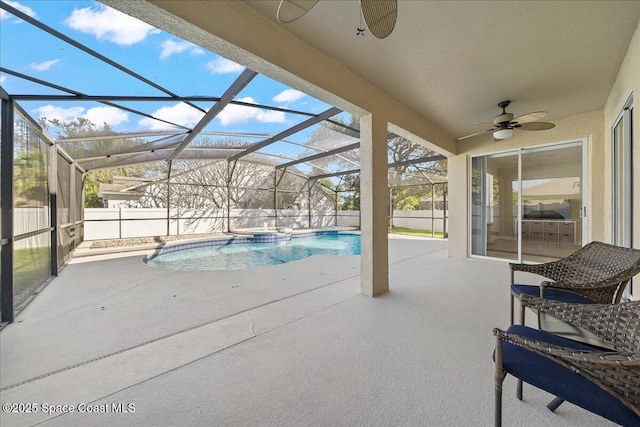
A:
[474,134]
[380,16]
[290,10]
[484,123]
[530,117]
[535,126]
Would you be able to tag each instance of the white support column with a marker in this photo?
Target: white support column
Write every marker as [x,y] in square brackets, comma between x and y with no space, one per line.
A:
[374,206]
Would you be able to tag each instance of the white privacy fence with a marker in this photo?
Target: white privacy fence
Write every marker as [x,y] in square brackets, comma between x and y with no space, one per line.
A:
[421,219]
[116,223]
[137,222]
[26,220]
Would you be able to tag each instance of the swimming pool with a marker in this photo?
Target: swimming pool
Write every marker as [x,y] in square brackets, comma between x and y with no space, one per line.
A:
[231,255]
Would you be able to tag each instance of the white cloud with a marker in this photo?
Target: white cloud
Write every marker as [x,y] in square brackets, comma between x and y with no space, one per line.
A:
[3,79]
[238,114]
[109,24]
[22,8]
[97,115]
[109,115]
[289,95]
[51,112]
[170,47]
[223,66]
[180,113]
[44,66]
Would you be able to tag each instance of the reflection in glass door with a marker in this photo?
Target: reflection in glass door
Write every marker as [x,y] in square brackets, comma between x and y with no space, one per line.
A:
[527,204]
[551,202]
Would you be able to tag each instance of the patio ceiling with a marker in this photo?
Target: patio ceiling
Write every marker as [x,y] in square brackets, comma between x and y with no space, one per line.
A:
[292,146]
[453,61]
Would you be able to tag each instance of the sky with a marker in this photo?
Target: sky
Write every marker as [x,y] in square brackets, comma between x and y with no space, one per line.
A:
[173,63]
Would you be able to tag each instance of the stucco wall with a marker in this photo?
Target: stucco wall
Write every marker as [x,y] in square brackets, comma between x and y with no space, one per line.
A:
[588,126]
[627,82]
[594,126]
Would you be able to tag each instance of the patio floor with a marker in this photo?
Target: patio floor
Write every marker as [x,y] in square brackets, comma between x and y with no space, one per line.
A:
[293,344]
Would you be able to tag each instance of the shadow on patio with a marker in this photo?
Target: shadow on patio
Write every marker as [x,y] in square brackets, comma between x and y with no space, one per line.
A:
[292,344]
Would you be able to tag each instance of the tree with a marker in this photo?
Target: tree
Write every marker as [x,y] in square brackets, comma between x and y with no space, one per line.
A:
[83,127]
[198,191]
[399,150]
[350,185]
[31,182]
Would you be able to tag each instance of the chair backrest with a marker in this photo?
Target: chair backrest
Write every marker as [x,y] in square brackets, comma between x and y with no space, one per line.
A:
[598,262]
[616,324]
[622,329]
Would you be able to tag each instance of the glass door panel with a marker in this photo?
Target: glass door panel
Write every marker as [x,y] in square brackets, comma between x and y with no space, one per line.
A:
[622,181]
[551,201]
[622,191]
[494,205]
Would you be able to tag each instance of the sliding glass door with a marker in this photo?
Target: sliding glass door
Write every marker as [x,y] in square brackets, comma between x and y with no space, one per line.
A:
[494,200]
[622,191]
[622,178]
[527,204]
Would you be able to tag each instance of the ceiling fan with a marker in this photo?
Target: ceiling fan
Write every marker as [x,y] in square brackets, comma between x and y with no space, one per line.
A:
[380,15]
[504,123]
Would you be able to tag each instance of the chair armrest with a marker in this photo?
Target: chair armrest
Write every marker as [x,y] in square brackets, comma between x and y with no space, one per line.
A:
[550,270]
[569,355]
[530,268]
[612,281]
[538,346]
[626,359]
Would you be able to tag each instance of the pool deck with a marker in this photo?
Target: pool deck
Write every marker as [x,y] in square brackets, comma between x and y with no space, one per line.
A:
[292,344]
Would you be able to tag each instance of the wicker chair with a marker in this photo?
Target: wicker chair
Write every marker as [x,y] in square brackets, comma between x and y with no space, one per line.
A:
[595,274]
[604,382]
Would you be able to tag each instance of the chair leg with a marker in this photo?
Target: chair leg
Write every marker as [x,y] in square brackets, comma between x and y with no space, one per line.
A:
[499,378]
[521,313]
[498,416]
[519,390]
[555,403]
[512,316]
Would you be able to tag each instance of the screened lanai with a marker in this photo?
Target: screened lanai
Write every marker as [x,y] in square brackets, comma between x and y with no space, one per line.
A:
[193,130]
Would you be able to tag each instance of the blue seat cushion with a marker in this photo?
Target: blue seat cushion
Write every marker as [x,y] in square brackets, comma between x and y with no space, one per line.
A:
[560,381]
[551,293]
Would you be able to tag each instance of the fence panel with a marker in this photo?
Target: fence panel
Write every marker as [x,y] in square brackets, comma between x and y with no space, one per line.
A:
[101,223]
[419,219]
[197,221]
[132,222]
[348,219]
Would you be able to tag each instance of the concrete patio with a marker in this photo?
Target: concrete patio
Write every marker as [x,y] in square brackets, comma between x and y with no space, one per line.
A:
[294,344]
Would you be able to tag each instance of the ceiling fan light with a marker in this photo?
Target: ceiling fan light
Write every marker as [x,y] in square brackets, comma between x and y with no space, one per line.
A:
[503,133]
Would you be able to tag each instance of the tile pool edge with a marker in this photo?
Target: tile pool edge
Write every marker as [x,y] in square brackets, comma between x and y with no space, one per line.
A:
[257,237]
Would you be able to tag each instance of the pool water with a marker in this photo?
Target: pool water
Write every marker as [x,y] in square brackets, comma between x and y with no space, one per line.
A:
[242,256]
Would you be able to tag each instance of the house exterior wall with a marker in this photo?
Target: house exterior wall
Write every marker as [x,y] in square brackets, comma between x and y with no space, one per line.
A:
[627,82]
[587,126]
[594,126]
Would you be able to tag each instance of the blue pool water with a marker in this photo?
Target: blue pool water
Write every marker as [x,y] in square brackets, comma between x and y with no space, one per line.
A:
[242,256]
